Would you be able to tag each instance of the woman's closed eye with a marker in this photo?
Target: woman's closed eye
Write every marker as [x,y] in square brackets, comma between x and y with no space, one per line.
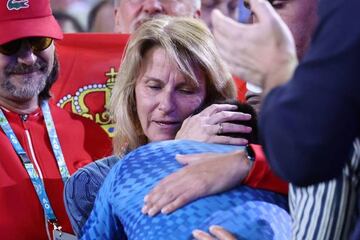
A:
[188,90]
[154,84]
[154,87]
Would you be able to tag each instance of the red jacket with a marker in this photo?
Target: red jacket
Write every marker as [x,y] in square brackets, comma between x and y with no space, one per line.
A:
[82,141]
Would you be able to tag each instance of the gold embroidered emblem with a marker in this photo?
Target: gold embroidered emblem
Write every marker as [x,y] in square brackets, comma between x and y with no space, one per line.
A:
[78,105]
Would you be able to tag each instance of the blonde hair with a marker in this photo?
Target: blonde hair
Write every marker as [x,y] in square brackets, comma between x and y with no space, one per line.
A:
[186,41]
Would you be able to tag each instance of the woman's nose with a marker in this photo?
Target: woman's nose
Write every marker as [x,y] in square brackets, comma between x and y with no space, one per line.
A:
[166,102]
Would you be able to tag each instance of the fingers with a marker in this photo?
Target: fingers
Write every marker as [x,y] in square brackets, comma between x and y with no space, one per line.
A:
[262,10]
[217,231]
[220,130]
[267,15]
[163,193]
[226,116]
[171,193]
[229,140]
[178,202]
[167,201]
[211,122]
[200,235]
[156,202]
[234,128]
[222,24]
[220,233]
[215,108]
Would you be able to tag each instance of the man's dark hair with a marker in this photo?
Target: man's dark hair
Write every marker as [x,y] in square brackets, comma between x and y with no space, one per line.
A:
[45,93]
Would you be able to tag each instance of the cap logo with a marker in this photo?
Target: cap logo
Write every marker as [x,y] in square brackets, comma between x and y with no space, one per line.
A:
[17,4]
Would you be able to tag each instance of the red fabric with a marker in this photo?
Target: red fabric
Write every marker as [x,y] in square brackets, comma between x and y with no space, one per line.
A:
[86,59]
[261,176]
[88,67]
[241,88]
[19,19]
[81,141]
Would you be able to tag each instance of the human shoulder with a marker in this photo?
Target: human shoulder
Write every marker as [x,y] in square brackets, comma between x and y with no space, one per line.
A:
[98,169]
[81,190]
[91,176]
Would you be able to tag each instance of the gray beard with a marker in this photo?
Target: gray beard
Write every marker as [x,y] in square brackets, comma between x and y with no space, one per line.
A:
[29,87]
[28,90]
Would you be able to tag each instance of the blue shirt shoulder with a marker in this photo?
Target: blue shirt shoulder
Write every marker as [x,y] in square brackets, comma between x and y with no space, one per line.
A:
[81,189]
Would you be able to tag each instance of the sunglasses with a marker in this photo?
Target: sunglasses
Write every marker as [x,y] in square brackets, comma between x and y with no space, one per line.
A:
[37,44]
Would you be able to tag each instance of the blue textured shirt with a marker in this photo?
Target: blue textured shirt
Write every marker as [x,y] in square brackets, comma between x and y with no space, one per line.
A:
[249,213]
[81,189]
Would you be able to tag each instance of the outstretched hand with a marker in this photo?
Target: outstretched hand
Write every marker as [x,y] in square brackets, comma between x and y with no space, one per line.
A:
[217,233]
[203,175]
[213,121]
[262,53]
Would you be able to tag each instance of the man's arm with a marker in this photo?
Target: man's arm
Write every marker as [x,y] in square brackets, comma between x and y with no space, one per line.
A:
[208,174]
[308,125]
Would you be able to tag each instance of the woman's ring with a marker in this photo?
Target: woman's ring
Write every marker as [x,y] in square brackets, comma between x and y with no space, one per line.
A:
[220,130]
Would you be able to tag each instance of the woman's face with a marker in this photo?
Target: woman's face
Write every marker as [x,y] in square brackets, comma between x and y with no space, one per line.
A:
[164,98]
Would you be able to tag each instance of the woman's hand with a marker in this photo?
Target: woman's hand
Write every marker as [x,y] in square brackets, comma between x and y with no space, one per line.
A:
[213,121]
[217,233]
[203,175]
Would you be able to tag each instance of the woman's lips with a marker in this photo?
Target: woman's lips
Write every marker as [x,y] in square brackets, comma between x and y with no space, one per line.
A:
[167,124]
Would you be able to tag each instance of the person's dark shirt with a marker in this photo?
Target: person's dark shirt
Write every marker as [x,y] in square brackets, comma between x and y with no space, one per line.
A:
[312,120]
[308,125]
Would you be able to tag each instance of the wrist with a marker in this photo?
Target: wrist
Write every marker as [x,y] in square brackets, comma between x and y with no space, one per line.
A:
[250,154]
[246,162]
[248,157]
[237,168]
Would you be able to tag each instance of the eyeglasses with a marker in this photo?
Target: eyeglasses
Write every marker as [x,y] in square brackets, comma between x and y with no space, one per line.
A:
[37,44]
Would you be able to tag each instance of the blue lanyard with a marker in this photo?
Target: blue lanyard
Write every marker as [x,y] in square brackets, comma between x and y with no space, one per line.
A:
[35,179]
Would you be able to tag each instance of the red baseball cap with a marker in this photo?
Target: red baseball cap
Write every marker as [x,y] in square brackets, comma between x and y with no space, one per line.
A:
[27,18]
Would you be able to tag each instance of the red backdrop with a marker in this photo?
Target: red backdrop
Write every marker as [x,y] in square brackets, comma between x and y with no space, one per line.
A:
[88,66]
